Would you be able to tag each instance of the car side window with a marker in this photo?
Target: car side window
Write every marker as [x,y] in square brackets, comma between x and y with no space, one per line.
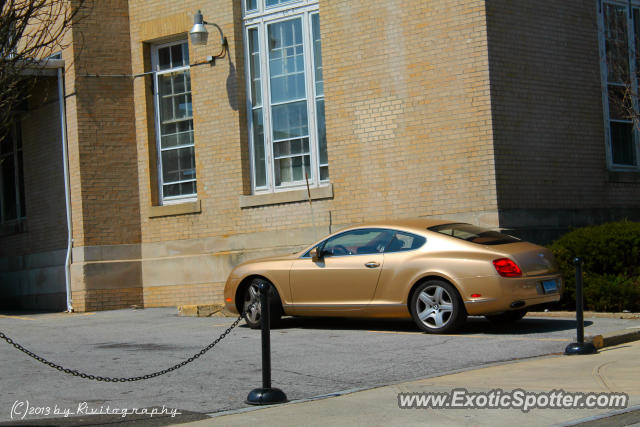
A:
[404,242]
[358,242]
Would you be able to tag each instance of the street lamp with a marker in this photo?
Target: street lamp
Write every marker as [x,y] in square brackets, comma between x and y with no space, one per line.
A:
[199,35]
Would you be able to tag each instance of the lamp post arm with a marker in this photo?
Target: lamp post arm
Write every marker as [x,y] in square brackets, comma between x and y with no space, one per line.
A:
[223,39]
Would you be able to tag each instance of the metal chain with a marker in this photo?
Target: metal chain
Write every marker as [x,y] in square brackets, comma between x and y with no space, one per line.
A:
[76,373]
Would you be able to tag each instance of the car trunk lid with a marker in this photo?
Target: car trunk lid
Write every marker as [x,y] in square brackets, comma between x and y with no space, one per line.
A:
[532,259]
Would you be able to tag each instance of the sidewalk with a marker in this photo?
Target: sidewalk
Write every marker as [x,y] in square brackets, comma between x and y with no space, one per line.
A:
[614,369]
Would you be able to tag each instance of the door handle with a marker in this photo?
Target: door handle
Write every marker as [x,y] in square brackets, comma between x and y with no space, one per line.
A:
[372,264]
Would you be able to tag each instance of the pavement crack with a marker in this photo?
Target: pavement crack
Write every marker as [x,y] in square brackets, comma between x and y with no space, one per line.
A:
[597,372]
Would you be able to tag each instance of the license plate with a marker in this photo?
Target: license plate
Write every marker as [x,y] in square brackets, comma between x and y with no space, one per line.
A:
[549,286]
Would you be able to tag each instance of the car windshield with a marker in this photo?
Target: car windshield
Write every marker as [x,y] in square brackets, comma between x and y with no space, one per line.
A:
[475,234]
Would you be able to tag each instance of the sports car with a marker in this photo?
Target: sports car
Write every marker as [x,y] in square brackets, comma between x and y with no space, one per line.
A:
[437,272]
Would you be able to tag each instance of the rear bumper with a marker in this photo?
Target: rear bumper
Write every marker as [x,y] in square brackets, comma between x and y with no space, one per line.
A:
[500,294]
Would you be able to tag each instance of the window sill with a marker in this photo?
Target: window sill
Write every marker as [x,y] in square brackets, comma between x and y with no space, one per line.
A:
[177,209]
[293,196]
[632,177]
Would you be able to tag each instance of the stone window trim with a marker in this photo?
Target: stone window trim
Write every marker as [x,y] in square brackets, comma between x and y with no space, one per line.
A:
[619,45]
[175,209]
[289,196]
[173,123]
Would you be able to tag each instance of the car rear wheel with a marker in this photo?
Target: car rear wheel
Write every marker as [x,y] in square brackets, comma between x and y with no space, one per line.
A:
[507,317]
[436,307]
[251,304]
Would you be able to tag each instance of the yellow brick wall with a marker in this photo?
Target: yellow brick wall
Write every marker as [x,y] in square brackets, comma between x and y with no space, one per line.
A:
[163,296]
[101,132]
[107,299]
[546,91]
[408,116]
[408,108]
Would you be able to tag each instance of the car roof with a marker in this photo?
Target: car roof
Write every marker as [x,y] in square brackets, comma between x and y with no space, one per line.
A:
[414,224]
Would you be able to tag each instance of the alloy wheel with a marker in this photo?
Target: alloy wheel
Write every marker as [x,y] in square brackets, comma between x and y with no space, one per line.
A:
[434,307]
[252,304]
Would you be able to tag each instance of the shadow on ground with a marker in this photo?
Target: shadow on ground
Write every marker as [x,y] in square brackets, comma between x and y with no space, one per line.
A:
[473,326]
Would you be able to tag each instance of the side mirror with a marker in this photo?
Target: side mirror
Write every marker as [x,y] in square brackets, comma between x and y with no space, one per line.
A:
[316,254]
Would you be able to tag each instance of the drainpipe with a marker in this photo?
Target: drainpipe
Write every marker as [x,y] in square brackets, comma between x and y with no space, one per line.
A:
[67,196]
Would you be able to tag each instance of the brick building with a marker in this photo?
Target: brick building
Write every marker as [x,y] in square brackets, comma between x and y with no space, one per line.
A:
[487,111]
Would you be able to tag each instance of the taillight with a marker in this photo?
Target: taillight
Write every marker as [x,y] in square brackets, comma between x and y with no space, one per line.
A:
[507,268]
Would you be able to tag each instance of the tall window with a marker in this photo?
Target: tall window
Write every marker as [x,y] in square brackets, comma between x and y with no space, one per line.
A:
[174,122]
[620,62]
[12,206]
[286,94]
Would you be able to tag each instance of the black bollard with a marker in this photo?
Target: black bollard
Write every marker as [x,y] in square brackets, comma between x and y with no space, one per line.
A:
[265,395]
[579,347]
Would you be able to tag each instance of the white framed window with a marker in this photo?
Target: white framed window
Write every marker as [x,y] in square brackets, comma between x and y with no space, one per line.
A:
[619,39]
[285,101]
[174,122]
[12,202]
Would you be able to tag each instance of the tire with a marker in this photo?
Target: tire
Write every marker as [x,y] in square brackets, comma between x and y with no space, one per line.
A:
[507,317]
[437,308]
[252,295]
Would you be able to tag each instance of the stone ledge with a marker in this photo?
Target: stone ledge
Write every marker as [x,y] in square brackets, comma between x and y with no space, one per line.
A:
[292,196]
[204,310]
[614,338]
[177,209]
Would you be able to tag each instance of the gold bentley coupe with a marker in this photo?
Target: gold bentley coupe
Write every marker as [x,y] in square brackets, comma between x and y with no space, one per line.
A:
[434,271]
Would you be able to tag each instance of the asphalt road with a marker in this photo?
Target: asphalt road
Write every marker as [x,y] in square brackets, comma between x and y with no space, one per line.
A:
[310,357]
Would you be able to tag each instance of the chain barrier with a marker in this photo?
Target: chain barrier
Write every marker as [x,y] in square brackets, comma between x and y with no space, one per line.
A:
[76,373]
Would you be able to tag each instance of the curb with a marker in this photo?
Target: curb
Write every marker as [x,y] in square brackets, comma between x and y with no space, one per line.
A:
[587,314]
[614,338]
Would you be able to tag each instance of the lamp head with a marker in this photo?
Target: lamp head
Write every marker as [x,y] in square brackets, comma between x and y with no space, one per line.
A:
[198,33]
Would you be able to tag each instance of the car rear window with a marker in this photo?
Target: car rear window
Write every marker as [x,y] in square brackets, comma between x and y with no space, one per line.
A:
[474,234]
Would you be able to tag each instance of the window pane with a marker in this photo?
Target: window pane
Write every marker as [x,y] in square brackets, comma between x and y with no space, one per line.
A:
[164,84]
[178,165]
[164,58]
[277,2]
[8,176]
[356,242]
[322,138]
[620,103]
[23,208]
[179,85]
[317,54]
[286,61]
[182,189]
[176,56]
[475,234]
[290,120]
[622,146]
[405,242]
[251,4]
[259,159]
[616,42]
[254,65]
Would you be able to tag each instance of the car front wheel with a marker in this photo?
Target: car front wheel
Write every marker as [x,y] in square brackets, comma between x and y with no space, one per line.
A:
[437,308]
[251,304]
